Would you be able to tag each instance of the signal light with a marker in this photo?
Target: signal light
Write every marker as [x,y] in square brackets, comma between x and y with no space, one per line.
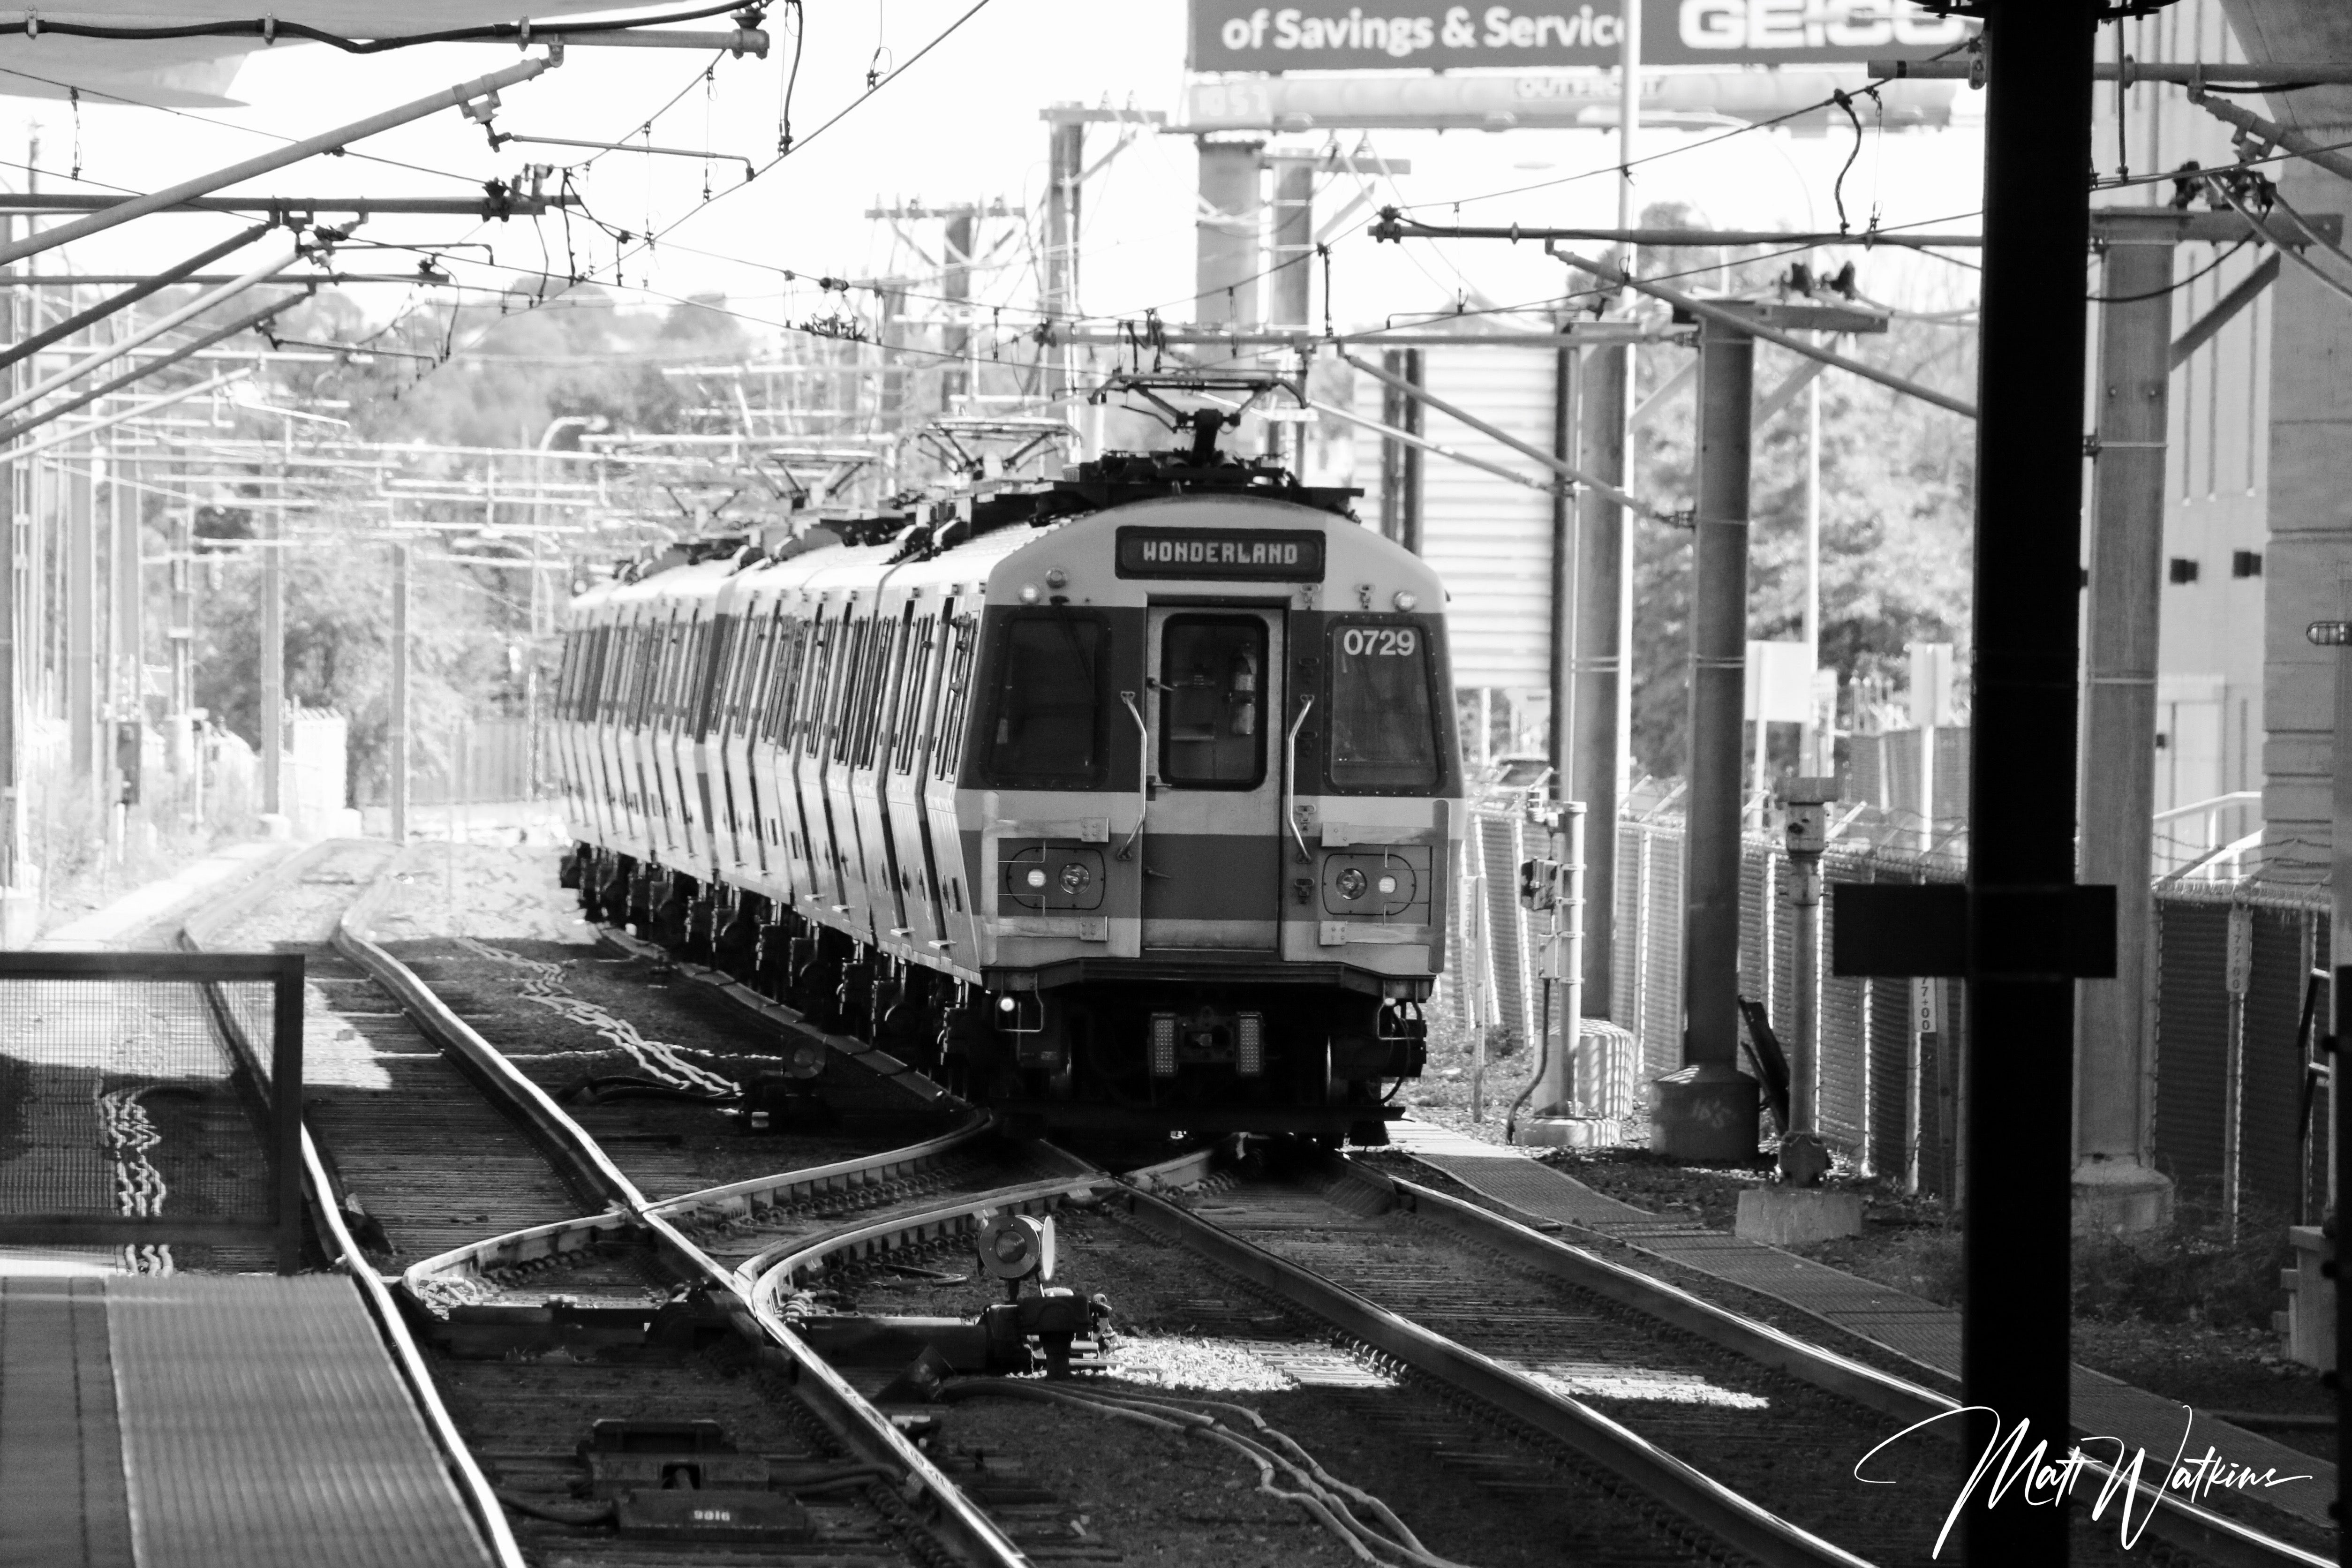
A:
[1163,1045]
[1249,1044]
[2329,634]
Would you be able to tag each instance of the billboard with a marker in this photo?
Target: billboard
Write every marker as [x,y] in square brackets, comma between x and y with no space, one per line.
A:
[1427,35]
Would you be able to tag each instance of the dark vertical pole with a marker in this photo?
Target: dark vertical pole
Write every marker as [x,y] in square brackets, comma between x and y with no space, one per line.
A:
[286,1110]
[1595,775]
[1707,1110]
[1408,461]
[2013,1334]
[1560,665]
[2342,1183]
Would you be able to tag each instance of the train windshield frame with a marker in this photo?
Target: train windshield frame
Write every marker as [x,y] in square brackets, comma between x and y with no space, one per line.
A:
[1381,713]
[1048,701]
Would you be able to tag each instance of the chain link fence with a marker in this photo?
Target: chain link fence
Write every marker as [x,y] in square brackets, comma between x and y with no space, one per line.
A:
[2237,1104]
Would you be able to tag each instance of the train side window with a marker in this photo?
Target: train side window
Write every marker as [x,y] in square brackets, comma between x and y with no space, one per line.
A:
[1049,705]
[816,670]
[713,667]
[784,686]
[1212,702]
[841,714]
[1383,721]
[917,695]
[874,712]
[955,692]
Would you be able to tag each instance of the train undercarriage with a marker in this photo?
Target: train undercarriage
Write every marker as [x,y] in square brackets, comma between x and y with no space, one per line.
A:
[1173,1048]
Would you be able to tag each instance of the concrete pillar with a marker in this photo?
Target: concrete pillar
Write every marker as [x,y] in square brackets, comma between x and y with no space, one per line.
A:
[1226,254]
[1707,1110]
[1597,752]
[955,377]
[1400,463]
[1291,276]
[2115,1186]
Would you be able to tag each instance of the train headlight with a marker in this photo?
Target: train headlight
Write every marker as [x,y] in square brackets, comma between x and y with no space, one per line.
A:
[1406,599]
[1350,883]
[1029,594]
[1163,1045]
[1036,877]
[1057,578]
[1388,884]
[1074,878]
[1249,1044]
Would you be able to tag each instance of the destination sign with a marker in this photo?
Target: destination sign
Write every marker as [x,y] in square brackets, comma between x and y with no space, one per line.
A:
[1250,555]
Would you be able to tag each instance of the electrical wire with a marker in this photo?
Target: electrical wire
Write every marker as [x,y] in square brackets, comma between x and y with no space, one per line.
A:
[2171,288]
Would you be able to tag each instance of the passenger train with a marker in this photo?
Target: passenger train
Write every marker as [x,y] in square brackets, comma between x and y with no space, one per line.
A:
[1127,800]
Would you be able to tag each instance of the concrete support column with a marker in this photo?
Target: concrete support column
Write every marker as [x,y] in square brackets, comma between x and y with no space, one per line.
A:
[1707,1110]
[1226,254]
[2114,1068]
[1599,706]
[955,377]
[1291,279]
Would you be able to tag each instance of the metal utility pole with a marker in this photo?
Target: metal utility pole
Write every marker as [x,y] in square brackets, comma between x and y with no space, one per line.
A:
[1598,710]
[181,632]
[1065,160]
[1805,804]
[397,764]
[2114,1183]
[1707,1110]
[1226,245]
[1400,460]
[1816,744]
[78,501]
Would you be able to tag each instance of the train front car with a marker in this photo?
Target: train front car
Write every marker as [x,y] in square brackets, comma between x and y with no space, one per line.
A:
[1210,801]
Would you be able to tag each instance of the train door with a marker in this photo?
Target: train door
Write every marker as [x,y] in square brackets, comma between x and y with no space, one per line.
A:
[1212,849]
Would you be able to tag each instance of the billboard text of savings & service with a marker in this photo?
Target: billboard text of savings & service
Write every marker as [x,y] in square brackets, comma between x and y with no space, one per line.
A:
[1232,34]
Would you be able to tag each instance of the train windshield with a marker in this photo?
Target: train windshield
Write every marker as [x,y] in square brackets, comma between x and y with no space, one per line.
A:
[1383,729]
[1046,731]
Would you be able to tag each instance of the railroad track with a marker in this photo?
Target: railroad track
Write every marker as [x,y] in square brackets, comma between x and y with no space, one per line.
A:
[1410,1333]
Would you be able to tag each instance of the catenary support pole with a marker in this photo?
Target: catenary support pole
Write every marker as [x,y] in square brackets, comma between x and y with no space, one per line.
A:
[1707,1109]
[2114,1185]
[250,319]
[2015,1312]
[1290,271]
[398,762]
[1596,774]
[78,500]
[277,158]
[1561,661]
[1065,163]
[273,655]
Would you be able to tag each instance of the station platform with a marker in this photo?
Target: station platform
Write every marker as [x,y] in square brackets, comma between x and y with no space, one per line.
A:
[242,1421]
[1927,1331]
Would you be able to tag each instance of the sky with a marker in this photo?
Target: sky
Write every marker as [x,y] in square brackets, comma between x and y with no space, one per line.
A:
[960,124]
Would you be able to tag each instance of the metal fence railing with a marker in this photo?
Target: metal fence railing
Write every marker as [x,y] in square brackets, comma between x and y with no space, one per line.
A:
[2231,1086]
[155,1099]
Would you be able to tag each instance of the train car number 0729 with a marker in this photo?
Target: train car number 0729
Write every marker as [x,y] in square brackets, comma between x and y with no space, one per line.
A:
[1379,642]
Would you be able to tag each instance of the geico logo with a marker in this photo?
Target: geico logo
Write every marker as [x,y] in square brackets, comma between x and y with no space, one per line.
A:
[1812,24]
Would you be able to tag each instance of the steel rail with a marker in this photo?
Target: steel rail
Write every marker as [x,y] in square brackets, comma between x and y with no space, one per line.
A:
[345,1254]
[865,1430]
[2214,1536]
[1689,1493]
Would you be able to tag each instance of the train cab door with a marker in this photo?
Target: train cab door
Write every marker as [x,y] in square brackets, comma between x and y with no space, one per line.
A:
[1212,852]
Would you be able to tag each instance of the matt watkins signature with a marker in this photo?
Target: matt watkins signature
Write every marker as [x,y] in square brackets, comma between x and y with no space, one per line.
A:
[2038,1478]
